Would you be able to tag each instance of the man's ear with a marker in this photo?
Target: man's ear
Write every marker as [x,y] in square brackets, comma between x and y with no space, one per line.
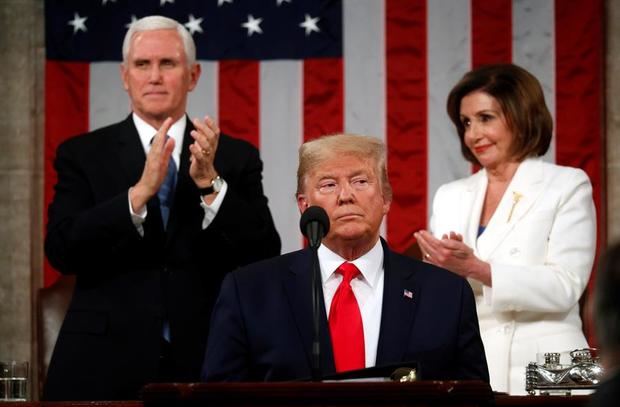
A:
[194,75]
[386,206]
[123,70]
[302,203]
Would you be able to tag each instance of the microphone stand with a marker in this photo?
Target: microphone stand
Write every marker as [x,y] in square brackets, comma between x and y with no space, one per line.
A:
[314,224]
[315,235]
[316,312]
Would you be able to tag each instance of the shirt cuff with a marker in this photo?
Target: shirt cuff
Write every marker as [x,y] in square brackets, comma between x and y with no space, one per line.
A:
[212,210]
[137,218]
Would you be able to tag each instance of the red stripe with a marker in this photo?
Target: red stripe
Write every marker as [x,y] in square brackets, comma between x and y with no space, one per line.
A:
[66,115]
[406,118]
[323,97]
[491,32]
[239,99]
[579,100]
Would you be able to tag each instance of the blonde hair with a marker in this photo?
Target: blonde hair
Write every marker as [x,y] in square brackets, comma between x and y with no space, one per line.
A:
[313,153]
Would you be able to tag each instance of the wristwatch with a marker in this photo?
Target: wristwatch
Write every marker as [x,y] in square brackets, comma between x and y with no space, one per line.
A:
[216,186]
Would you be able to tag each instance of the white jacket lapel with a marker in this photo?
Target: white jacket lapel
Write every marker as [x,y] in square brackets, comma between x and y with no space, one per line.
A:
[473,200]
[518,199]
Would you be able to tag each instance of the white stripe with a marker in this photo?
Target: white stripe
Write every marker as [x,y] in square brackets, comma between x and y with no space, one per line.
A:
[281,129]
[203,100]
[533,47]
[108,100]
[449,57]
[364,69]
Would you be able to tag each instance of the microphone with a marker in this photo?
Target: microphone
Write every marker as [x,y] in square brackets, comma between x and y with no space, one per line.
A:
[314,224]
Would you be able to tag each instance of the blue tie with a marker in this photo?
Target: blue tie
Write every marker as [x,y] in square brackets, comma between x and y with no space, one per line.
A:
[165,194]
[166,191]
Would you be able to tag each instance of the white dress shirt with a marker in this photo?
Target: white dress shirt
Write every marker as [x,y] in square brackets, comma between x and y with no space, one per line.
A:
[367,288]
[176,131]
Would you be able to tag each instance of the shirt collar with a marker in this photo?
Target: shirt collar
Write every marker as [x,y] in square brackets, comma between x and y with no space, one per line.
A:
[176,131]
[370,264]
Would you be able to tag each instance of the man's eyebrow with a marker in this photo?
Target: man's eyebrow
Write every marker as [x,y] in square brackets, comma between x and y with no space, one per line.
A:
[325,176]
[351,175]
[359,172]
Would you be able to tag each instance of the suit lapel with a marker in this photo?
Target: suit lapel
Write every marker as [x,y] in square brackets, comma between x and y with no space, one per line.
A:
[130,150]
[471,206]
[523,191]
[297,286]
[400,293]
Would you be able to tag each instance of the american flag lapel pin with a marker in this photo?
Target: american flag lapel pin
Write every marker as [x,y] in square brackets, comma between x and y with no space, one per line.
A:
[408,294]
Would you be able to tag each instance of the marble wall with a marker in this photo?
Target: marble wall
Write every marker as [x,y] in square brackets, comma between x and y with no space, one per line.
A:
[21,158]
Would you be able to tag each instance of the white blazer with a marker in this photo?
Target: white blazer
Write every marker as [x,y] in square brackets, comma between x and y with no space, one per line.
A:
[541,257]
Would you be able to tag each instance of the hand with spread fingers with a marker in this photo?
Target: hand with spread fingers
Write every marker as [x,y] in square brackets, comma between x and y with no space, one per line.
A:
[452,254]
[155,168]
[206,136]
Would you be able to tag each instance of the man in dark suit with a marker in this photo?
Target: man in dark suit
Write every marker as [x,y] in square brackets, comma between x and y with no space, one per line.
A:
[149,214]
[607,320]
[377,307]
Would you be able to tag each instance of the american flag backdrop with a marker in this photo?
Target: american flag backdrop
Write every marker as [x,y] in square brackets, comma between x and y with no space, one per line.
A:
[278,72]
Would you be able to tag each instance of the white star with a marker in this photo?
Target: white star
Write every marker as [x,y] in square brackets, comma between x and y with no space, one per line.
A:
[310,24]
[78,23]
[193,25]
[221,2]
[103,2]
[283,1]
[162,2]
[133,20]
[253,25]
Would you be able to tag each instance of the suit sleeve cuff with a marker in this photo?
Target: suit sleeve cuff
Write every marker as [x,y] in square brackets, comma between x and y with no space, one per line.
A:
[137,218]
[212,210]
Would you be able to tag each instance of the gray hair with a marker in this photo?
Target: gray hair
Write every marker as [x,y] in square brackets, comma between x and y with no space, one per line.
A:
[313,153]
[150,23]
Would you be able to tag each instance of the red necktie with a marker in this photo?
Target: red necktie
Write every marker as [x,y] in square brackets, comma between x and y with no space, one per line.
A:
[345,323]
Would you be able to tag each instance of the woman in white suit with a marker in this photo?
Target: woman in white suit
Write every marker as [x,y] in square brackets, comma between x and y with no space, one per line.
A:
[522,231]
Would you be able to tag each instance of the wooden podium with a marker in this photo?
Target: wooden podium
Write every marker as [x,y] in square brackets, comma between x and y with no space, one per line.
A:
[308,394]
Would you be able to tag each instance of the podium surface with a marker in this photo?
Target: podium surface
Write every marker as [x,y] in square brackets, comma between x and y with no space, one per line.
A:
[293,394]
[424,393]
